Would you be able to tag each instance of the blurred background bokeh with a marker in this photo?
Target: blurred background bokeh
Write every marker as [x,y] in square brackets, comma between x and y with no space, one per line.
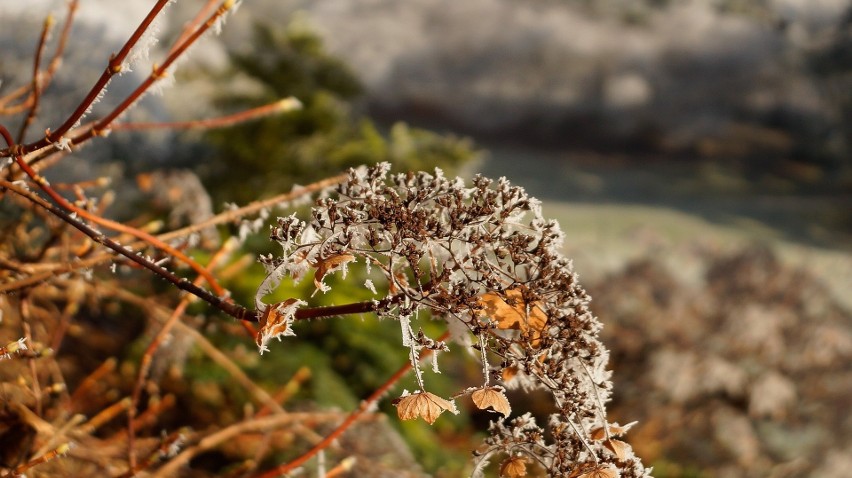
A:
[698,155]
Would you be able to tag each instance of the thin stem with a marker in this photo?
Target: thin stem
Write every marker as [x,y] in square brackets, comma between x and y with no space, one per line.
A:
[212,440]
[52,67]
[56,61]
[158,72]
[36,82]
[192,25]
[234,310]
[19,471]
[601,408]
[280,106]
[114,66]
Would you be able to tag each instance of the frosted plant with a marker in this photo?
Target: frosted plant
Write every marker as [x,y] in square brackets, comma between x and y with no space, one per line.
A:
[484,260]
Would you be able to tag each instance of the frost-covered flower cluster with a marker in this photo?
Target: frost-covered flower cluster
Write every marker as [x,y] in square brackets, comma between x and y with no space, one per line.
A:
[483,259]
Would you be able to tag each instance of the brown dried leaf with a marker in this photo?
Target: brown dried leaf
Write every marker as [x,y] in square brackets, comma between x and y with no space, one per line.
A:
[422,404]
[399,278]
[509,373]
[528,318]
[492,397]
[329,264]
[514,467]
[615,430]
[621,449]
[600,471]
[275,322]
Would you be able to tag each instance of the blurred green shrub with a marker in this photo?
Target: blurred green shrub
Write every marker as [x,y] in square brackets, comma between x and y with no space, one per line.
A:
[323,138]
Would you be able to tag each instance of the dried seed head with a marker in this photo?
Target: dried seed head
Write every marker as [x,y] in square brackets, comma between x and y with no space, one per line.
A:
[483,258]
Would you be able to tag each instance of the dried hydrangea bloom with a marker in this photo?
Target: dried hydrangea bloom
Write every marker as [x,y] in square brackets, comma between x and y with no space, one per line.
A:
[484,259]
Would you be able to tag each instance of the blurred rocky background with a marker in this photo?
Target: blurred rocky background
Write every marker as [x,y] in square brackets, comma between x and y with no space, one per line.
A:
[742,104]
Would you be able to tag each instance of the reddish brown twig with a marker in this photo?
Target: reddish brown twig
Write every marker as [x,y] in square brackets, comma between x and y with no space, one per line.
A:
[280,106]
[114,67]
[221,218]
[105,415]
[288,390]
[36,82]
[167,448]
[93,378]
[193,24]
[19,471]
[209,441]
[47,76]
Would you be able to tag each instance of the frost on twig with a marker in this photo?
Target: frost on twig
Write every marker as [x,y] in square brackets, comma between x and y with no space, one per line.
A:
[484,259]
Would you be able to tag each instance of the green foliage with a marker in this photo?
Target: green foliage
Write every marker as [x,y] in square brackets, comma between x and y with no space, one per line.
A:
[322,139]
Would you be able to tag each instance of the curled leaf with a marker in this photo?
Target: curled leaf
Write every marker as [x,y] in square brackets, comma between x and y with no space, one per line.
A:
[621,449]
[597,471]
[422,404]
[329,264]
[275,322]
[492,397]
[615,430]
[514,467]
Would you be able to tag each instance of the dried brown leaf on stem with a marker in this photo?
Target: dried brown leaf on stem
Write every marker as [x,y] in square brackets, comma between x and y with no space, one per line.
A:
[422,404]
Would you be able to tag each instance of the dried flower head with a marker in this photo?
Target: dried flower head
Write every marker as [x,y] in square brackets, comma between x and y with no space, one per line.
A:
[483,259]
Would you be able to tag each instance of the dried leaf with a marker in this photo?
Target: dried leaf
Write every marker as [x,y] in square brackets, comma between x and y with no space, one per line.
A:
[509,311]
[492,397]
[621,449]
[329,264]
[422,404]
[399,278]
[599,471]
[615,430]
[509,373]
[514,467]
[275,322]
